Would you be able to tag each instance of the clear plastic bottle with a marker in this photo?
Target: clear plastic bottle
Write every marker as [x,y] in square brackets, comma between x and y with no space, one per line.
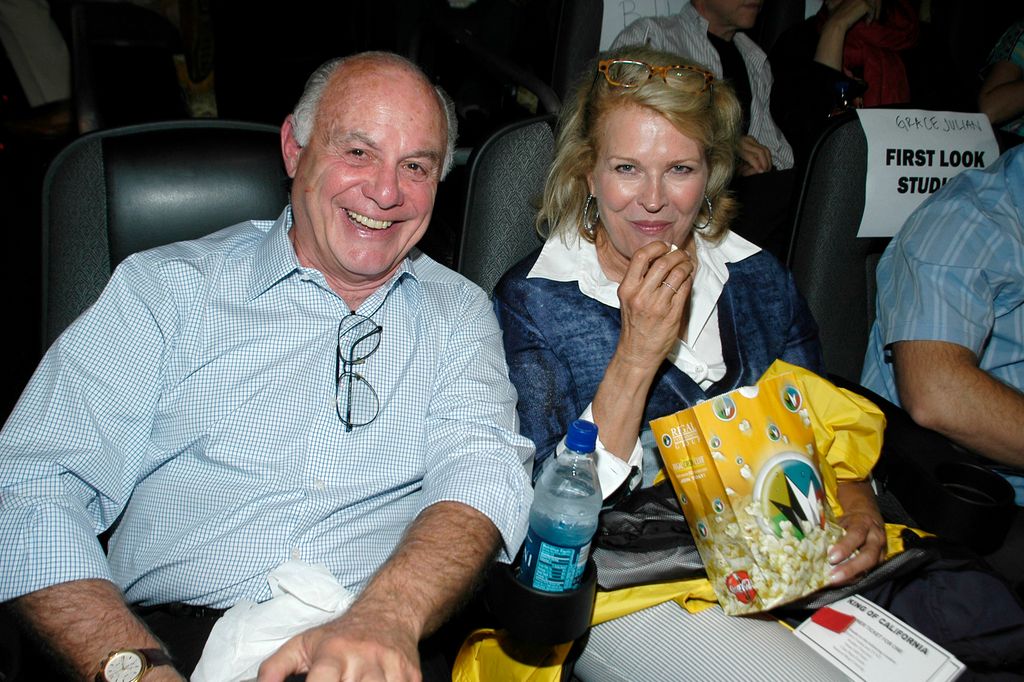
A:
[563,518]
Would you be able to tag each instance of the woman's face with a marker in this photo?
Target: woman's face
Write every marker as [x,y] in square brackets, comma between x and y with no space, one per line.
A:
[648,180]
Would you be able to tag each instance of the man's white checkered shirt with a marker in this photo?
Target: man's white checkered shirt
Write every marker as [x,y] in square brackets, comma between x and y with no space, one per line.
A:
[196,401]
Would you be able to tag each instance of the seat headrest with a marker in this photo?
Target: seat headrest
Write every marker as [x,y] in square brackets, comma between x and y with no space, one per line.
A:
[167,185]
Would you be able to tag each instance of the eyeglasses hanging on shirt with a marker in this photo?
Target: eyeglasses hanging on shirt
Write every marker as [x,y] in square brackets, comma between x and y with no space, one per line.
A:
[356,400]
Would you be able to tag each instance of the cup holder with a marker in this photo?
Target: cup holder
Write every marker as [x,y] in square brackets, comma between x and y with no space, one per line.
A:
[977,506]
[539,617]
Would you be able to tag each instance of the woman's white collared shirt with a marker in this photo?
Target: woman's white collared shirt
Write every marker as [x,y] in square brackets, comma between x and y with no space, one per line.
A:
[701,358]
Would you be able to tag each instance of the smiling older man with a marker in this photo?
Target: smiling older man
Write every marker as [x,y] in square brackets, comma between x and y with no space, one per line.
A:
[309,388]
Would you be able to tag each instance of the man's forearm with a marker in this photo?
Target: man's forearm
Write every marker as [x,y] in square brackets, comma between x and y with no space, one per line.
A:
[1002,94]
[434,568]
[943,389]
[82,621]
[438,563]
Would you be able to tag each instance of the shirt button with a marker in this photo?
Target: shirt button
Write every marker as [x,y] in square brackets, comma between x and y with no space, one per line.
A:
[319,485]
[700,372]
[296,554]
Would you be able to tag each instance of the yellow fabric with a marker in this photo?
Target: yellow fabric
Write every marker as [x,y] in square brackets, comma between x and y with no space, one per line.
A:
[847,427]
[847,433]
[694,595]
[493,655]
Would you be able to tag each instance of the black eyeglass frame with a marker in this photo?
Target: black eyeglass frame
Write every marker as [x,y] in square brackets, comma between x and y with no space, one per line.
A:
[345,372]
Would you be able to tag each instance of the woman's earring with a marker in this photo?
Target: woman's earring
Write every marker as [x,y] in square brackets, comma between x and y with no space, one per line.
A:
[711,212]
[590,225]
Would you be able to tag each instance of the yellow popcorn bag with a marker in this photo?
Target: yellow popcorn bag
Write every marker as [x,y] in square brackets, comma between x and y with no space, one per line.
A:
[745,470]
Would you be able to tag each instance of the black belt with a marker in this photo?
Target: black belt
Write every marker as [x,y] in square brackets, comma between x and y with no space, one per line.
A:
[180,610]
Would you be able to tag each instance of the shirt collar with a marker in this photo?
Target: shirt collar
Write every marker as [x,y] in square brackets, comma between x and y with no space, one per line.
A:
[275,260]
[406,270]
[275,257]
[576,261]
[691,16]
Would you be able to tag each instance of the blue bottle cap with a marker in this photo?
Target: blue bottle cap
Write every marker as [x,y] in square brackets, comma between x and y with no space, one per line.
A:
[582,436]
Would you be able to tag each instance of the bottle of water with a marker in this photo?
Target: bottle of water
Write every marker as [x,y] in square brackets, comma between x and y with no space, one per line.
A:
[563,518]
[842,101]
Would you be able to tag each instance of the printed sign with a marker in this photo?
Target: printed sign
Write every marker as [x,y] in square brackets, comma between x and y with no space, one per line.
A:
[911,154]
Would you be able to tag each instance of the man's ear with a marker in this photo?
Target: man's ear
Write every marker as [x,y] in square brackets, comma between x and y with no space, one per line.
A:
[291,150]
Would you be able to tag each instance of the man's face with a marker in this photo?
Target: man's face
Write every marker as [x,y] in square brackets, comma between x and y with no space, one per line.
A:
[725,17]
[364,185]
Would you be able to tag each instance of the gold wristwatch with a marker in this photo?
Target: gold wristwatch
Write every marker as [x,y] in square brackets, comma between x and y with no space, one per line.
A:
[130,665]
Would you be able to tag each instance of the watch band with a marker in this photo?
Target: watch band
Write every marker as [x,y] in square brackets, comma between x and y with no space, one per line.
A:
[156,657]
[151,658]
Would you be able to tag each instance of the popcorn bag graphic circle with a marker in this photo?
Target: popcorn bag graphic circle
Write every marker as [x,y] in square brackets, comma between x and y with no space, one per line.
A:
[789,488]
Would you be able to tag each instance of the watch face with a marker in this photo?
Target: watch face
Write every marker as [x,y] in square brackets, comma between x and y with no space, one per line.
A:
[124,666]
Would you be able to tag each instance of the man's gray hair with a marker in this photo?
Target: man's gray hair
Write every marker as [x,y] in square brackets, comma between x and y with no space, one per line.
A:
[304,115]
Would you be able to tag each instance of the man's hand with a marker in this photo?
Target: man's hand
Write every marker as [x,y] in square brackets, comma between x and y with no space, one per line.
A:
[357,646]
[433,569]
[754,157]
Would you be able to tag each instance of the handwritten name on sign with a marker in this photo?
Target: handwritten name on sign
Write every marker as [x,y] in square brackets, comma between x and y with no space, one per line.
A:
[911,155]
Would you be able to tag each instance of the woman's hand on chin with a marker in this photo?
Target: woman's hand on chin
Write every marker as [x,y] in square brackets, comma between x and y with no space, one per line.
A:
[654,296]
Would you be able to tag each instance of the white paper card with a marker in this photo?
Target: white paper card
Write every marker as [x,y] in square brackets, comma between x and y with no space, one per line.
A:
[878,647]
[912,153]
[618,14]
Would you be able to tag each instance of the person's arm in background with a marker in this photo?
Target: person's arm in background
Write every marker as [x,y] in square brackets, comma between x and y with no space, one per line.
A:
[841,19]
[754,157]
[807,66]
[1002,94]
[943,389]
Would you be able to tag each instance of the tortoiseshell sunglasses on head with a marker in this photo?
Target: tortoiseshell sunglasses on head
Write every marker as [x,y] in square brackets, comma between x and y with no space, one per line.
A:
[627,73]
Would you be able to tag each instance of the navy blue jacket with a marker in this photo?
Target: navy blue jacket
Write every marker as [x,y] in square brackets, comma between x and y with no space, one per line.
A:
[558,343]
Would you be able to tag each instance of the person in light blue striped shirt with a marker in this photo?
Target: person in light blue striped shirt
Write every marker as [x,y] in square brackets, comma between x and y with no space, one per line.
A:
[948,342]
[310,388]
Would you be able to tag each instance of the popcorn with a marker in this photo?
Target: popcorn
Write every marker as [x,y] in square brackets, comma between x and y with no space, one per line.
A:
[750,488]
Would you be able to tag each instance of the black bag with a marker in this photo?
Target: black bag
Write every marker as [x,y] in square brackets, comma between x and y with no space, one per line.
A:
[644,539]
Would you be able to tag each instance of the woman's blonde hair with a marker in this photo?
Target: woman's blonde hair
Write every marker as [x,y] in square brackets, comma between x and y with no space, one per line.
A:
[711,118]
